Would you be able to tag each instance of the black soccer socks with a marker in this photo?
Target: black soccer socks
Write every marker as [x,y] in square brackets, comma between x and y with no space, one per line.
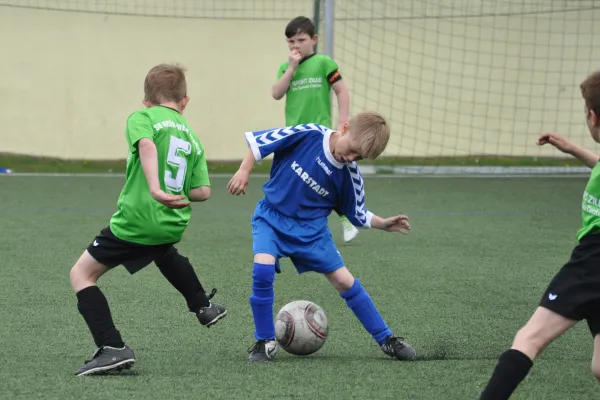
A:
[513,366]
[93,307]
[179,272]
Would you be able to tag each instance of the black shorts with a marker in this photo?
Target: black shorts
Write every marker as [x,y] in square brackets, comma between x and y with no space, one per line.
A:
[574,292]
[111,251]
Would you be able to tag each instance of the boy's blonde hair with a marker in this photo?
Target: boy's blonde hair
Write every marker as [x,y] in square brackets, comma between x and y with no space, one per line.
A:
[165,83]
[372,133]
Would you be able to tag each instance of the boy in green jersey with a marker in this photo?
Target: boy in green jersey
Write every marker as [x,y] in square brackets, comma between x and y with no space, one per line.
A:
[306,80]
[166,170]
[574,292]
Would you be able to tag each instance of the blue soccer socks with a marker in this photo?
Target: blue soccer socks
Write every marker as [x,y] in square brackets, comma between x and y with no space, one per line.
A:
[359,301]
[262,299]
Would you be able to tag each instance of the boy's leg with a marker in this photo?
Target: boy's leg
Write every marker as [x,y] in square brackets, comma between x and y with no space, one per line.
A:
[261,302]
[112,353]
[266,244]
[361,304]
[569,298]
[322,256]
[596,357]
[179,272]
[514,364]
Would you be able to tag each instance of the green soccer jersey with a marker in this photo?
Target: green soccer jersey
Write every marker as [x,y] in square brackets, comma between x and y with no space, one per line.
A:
[308,98]
[590,207]
[181,167]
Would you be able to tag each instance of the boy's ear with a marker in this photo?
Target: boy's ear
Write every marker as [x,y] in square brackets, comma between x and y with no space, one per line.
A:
[593,117]
[346,127]
[146,103]
[184,102]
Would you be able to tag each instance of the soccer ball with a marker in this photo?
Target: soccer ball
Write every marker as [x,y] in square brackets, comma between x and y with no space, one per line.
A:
[301,327]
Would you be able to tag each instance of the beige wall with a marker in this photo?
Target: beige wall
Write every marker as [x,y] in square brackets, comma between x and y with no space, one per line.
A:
[69,80]
[451,86]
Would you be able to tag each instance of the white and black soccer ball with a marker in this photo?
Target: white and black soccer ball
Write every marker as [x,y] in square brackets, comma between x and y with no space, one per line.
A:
[301,327]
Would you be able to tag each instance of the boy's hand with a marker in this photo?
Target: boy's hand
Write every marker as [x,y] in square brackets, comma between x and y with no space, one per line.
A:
[557,141]
[294,59]
[170,200]
[398,223]
[238,183]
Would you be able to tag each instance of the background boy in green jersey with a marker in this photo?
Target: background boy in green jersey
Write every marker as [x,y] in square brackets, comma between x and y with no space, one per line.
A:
[574,292]
[306,80]
[166,169]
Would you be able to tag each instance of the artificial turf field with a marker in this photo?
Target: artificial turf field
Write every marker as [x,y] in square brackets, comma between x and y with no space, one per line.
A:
[458,287]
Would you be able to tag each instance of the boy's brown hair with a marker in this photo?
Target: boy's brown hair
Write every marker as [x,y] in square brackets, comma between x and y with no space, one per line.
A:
[300,25]
[165,83]
[372,133]
[590,91]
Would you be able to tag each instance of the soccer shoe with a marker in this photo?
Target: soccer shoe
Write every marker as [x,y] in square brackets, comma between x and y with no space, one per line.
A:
[263,350]
[396,347]
[208,316]
[107,359]
[350,231]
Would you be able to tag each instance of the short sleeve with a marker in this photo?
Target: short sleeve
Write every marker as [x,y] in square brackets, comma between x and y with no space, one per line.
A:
[139,126]
[282,68]
[332,71]
[269,141]
[200,172]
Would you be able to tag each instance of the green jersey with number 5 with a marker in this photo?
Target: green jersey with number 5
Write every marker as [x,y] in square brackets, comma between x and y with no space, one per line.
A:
[181,167]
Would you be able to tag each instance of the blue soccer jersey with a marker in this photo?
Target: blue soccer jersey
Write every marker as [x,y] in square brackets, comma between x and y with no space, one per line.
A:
[306,182]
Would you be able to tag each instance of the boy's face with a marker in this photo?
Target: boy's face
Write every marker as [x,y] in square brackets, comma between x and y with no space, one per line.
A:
[347,148]
[302,43]
[591,120]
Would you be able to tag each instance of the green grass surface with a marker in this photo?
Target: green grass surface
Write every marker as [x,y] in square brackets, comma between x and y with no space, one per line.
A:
[458,288]
[19,163]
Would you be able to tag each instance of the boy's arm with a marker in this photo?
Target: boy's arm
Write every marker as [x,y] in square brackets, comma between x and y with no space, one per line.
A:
[149,161]
[566,146]
[239,182]
[353,206]
[352,198]
[343,99]
[139,133]
[587,157]
[334,79]
[281,87]
[285,75]
[263,143]
[200,184]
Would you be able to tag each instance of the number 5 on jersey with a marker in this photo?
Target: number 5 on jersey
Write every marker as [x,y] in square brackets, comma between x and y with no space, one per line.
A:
[177,164]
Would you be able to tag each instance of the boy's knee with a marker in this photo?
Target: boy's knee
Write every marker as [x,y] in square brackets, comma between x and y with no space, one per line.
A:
[263,275]
[79,278]
[265,259]
[172,259]
[530,341]
[596,370]
[341,279]
[596,358]
[85,272]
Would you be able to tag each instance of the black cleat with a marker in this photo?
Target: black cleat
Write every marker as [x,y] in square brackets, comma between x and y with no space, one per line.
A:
[396,347]
[263,350]
[208,316]
[108,359]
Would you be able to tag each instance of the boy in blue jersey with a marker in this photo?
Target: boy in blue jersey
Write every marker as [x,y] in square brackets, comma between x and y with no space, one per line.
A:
[314,171]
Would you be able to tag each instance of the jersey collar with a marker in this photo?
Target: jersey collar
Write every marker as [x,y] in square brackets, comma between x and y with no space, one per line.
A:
[304,59]
[327,150]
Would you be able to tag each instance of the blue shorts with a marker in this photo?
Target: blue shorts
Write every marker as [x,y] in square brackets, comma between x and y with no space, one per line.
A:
[308,244]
